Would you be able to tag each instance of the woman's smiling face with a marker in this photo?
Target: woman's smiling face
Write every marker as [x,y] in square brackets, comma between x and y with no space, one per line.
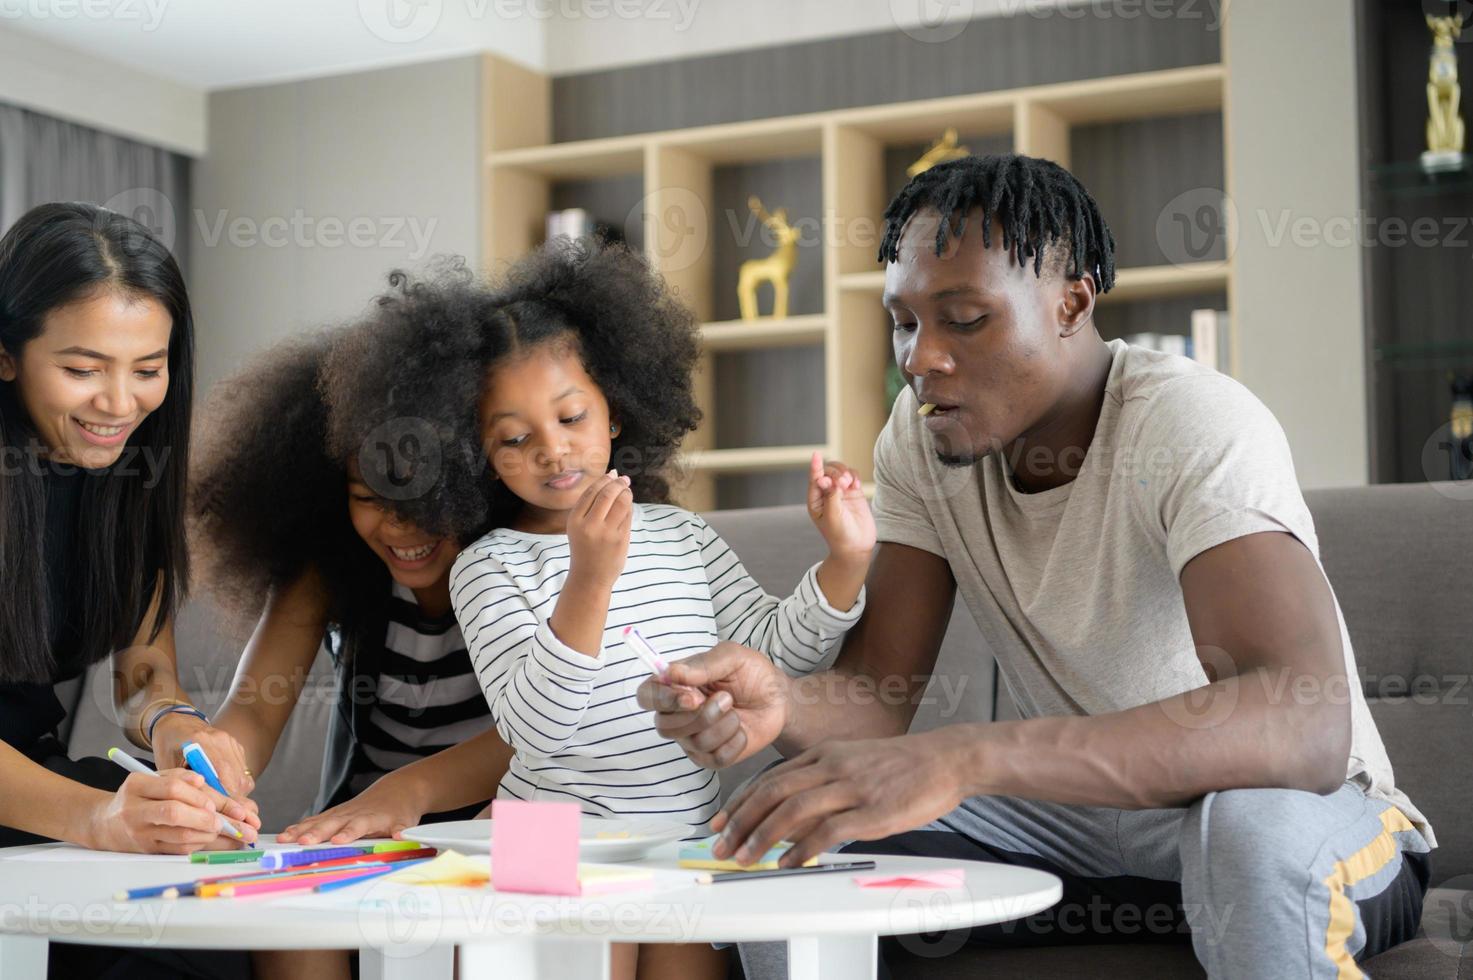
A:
[99,367]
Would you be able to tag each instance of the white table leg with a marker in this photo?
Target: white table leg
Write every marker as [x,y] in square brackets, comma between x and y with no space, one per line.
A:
[435,963]
[535,959]
[832,957]
[22,957]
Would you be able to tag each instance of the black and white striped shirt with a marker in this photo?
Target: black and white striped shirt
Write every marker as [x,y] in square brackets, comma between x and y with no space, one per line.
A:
[428,697]
[572,719]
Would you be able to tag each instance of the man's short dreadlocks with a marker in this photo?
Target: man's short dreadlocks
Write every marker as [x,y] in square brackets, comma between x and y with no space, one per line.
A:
[1038,203]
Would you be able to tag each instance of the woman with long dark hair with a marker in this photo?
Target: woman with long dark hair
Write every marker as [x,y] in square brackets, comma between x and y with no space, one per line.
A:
[96,376]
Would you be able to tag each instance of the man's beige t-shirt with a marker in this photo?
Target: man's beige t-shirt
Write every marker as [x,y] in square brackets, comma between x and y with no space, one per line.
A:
[1076,589]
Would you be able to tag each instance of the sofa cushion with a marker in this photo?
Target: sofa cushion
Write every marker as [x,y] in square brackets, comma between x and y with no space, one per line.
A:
[1397,557]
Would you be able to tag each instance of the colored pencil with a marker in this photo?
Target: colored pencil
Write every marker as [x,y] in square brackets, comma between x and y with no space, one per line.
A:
[811,869]
[286,883]
[185,889]
[377,873]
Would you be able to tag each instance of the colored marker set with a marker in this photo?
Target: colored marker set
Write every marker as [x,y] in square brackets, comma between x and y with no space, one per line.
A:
[314,869]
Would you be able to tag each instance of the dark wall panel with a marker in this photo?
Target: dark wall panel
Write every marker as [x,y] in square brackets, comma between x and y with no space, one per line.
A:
[770,397]
[869,69]
[1134,169]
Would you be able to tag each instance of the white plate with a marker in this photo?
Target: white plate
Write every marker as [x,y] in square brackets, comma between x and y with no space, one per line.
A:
[599,838]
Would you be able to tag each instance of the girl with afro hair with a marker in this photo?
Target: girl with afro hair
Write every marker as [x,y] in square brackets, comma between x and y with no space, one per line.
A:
[552,449]
[289,533]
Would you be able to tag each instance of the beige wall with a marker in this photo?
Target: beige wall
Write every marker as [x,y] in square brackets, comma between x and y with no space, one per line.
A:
[68,84]
[313,191]
[1293,156]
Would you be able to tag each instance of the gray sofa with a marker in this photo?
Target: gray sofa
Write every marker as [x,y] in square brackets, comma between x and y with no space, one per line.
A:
[1399,557]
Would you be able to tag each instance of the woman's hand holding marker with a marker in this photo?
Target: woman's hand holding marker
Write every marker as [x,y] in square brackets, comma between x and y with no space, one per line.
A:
[173,812]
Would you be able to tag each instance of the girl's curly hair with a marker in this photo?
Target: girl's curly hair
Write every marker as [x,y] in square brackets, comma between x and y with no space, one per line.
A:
[414,429]
[266,500]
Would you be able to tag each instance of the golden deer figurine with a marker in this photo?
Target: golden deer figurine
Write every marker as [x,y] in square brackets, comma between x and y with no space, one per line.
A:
[941,151]
[774,269]
[1444,123]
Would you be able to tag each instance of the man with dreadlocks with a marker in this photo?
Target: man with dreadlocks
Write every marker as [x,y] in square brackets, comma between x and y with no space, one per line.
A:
[1128,533]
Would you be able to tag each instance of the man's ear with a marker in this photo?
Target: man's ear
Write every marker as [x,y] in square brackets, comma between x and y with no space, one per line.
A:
[8,369]
[1077,305]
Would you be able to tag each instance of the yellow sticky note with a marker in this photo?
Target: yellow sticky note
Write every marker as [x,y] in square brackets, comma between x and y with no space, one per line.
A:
[447,868]
[697,855]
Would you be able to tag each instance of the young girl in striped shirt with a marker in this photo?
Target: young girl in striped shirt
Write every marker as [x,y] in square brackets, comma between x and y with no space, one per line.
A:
[583,395]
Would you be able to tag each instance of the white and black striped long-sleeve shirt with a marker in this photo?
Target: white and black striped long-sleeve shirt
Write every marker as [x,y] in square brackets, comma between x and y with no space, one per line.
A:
[578,732]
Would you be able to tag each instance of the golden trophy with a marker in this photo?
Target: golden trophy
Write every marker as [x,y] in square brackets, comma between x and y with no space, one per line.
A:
[1444,123]
[774,269]
[941,151]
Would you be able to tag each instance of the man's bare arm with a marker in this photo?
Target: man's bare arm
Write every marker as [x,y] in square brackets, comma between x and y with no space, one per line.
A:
[1274,708]
[1273,711]
[886,660]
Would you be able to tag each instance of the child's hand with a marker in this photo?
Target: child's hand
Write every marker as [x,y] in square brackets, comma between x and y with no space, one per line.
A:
[837,506]
[598,529]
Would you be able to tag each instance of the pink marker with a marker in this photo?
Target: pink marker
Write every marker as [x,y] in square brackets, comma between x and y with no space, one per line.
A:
[645,652]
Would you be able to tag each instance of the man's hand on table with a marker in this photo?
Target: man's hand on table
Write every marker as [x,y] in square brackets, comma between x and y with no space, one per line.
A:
[840,791]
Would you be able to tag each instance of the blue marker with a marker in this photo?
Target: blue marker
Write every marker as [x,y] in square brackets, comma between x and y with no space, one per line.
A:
[195,758]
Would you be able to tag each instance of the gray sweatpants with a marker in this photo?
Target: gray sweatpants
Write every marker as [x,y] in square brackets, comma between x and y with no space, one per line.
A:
[1267,883]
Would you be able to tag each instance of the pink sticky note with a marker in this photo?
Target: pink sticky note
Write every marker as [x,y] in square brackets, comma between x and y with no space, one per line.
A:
[534,847]
[945,878]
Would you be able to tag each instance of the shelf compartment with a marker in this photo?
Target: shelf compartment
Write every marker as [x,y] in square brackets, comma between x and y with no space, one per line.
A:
[618,155]
[1142,282]
[1173,92]
[989,113]
[1159,281]
[750,142]
[764,333]
[863,282]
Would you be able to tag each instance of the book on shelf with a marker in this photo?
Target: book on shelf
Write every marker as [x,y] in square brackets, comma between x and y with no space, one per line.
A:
[1210,338]
[1207,343]
[576,223]
[1166,343]
[573,223]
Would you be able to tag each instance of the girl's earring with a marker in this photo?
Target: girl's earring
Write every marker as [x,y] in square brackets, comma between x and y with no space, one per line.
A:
[614,429]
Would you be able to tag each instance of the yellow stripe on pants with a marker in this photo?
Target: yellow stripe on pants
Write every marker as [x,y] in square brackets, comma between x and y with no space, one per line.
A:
[1358,867]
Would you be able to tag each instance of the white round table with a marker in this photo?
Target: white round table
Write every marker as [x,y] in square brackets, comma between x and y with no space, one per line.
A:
[829,923]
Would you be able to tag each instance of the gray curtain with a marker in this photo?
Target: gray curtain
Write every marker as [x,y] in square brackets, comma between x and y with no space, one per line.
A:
[44,159]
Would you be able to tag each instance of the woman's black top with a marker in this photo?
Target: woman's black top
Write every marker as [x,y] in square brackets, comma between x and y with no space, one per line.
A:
[30,711]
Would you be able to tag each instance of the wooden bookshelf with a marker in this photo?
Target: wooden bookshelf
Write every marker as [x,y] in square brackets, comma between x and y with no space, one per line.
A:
[766,333]
[676,208]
